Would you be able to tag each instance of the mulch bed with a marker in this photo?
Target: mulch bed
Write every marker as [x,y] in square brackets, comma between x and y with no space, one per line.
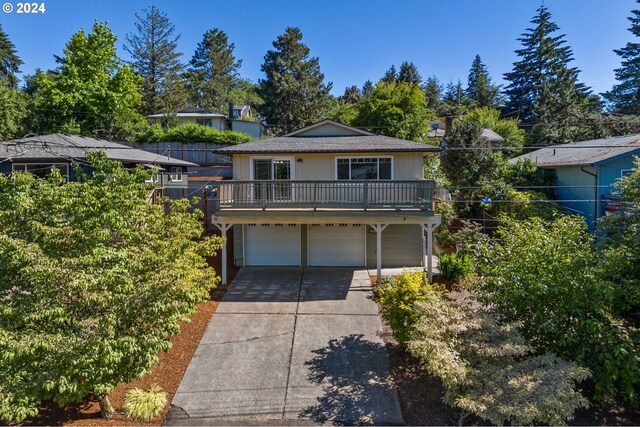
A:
[167,373]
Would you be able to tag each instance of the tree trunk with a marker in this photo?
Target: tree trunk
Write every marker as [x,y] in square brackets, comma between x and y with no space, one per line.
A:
[105,406]
[463,415]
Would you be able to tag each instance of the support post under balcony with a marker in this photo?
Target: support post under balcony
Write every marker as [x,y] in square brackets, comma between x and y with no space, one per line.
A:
[379,228]
[429,229]
[223,227]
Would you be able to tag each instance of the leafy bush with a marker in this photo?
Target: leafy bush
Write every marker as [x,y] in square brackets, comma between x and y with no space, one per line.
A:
[397,299]
[456,267]
[488,369]
[143,405]
[191,133]
[94,282]
[529,204]
[545,275]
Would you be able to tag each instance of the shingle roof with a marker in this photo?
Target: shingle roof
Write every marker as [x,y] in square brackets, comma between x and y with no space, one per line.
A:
[487,134]
[584,153]
[58,146]
[328,144]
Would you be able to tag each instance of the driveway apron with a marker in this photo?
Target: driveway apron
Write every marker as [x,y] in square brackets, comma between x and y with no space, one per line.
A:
[291,345]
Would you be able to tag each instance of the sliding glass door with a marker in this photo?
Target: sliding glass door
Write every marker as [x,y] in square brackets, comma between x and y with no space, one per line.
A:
[279,172]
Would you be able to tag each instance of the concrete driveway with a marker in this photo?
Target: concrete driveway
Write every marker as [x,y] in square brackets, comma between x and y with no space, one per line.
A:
[291,346]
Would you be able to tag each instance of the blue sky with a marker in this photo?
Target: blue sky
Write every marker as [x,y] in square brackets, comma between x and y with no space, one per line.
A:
[355,40]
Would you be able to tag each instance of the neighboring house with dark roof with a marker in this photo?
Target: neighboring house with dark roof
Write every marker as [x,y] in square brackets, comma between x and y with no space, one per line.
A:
[328,195]
[586,171]
[239,120]
[39,154]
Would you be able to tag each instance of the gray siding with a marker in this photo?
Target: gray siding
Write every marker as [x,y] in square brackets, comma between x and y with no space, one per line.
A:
[238,249]
[402,246]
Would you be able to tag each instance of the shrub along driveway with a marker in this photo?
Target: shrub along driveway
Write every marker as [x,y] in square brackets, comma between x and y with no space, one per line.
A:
[291,345]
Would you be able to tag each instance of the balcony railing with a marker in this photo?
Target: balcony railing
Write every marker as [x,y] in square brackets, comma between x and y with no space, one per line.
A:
[415,194]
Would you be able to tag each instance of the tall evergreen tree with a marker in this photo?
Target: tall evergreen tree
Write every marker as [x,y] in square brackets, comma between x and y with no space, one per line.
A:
[544,58]
[624,97]
[409,73]
[455,100]
[390,76]
[367,89]
[480,87]
[433,93]
[9,61]
[293,89]
[213,71]
[153,49]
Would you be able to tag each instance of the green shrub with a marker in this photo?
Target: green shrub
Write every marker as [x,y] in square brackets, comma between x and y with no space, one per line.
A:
[456,267]
[191,133]
[397,299]
[143,405]
[488,369]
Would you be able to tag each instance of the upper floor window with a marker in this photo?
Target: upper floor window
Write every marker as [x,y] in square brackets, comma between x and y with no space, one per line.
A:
[42,170]
[364,168]
[176,174]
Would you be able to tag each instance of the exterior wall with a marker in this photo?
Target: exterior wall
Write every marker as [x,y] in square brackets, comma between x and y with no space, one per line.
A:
[323,166]
[402,246]
[253,129]
[608,174]
[329,130]
[238,248]
[583,188]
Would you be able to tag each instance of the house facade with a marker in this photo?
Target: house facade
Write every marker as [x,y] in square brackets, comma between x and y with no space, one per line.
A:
[586,171]
[328,195]
[239,120]
[39,154]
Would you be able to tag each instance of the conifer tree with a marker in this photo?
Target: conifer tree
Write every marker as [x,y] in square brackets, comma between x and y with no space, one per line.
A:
[544,60]
[153,49]
[367,89]
[293,89]
[433,93]
[455,100]
[213,71]
[9,61]
[390,76]
[624,97]
[480,87]
[352,94]
[409,73]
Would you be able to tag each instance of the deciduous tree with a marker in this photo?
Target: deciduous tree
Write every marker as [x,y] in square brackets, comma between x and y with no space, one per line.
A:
[94,280]
[92,92]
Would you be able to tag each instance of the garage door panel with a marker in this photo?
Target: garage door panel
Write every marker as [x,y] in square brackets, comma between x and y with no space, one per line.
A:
[336,245]
[272,244]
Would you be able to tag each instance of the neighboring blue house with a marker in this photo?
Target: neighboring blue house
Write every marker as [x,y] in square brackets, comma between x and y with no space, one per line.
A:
[586,171]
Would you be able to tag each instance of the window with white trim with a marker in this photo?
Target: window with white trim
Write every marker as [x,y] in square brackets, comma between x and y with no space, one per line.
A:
[176,173]
[625,172]
[42,170]
[363,168]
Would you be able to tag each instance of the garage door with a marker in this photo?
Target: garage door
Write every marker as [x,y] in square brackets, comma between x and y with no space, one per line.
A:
[336,245]
[272,244]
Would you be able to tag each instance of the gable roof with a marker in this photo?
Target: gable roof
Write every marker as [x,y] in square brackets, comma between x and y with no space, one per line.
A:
[487,134]
[348,130]
[594,152]
[337,138]
[61,147]
[190,112]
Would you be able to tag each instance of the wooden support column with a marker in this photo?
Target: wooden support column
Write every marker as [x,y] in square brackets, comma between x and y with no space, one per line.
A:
[429,229]
[223,227]
[379,228]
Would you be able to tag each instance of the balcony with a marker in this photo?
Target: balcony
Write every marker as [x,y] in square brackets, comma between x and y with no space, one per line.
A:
[363,195]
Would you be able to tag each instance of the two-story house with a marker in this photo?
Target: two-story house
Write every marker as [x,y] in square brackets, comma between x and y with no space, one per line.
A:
[328,195]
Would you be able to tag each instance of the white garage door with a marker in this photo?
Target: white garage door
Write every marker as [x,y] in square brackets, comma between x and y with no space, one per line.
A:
[272,244]
[336,245]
